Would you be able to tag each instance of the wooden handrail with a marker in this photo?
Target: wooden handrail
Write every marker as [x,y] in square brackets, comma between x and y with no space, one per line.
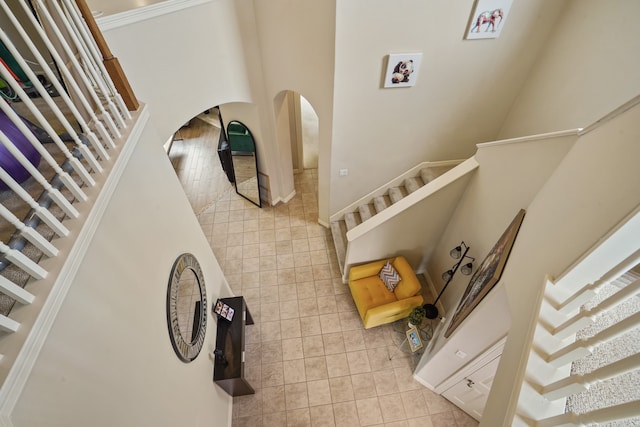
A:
[110,62]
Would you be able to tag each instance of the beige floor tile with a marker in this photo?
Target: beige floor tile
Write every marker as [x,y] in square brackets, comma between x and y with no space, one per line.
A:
[315,368]
[292,349]
[322,416]
[272,374]
[319,392]
[277,419]
[310,326]
[392,408]
[346,414]
[341,389]
[296,396]
[369,411]
[313,346]
[291,328]
[337,365]
[385,382]
[273,400]
[330,323]
[333,343]
[364,386]
[271,331]
[299,418]
[294,371]
[353,340]
[359,362]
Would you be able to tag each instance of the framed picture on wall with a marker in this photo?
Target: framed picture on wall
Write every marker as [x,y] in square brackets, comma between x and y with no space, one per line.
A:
[402,69]
[487,275]
[487,19]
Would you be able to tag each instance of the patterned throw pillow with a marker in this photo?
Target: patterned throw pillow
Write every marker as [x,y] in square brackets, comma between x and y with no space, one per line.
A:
[389,276]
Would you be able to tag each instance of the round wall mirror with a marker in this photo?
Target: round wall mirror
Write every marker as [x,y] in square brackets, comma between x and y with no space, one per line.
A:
[186,307]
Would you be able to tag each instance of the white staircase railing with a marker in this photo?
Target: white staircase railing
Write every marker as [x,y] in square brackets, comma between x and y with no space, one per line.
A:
[63,126]
[551,380]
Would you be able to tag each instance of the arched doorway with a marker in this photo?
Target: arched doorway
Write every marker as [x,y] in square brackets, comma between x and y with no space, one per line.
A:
[309,128]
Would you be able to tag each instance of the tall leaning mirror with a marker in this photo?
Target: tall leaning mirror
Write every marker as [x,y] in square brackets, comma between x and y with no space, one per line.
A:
[245,161]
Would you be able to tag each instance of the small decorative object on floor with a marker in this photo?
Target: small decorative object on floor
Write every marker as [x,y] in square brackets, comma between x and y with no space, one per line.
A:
[416,317]
[413,337]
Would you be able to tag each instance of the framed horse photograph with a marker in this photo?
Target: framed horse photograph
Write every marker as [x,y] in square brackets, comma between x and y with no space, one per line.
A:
[487,19]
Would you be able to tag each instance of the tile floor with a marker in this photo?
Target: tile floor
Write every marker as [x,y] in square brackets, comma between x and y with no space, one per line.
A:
[308,356]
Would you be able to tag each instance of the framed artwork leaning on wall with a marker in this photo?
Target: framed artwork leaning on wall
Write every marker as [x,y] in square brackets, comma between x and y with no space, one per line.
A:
[487,275]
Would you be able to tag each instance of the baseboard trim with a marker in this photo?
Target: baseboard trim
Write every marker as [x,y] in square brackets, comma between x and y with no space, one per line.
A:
[129,17]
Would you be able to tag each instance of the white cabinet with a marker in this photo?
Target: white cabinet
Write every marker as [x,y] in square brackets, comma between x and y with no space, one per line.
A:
[471,393]
[469,388]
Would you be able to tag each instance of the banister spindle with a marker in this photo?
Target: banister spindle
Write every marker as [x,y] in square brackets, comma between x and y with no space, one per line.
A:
[585,317]
[14,291]
[29,233]
[42,213]
[75,64]
[87,35]
[111,63]
[578,383]
[44,95]
[581,348]
[591,289]
[611,413]
[23,262]
[69,78]
[90,67]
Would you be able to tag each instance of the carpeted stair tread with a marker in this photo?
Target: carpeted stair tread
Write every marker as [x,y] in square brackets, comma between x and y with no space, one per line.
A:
[428,175]
[381,203]
[620,388]
[397,193]
[412,184]
[366,211]
[339,234]
[352,219]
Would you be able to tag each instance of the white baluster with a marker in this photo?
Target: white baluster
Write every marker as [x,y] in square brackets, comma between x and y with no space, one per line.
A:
[612,413]
[44,95]
[578,383]
[590,290]
[42,213]
[586,317]
[21,260]
[583,347]
[93,140]
[76,15]
[35,238]
[91,65]
[64,176]
[46,16]
[69,78]
[8,325]
[14,291]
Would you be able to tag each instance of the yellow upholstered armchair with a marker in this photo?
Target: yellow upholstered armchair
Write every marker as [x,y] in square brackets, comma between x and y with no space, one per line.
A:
[376,304]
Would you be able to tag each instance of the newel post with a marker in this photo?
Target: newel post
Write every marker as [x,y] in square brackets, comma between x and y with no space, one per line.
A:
[110,62]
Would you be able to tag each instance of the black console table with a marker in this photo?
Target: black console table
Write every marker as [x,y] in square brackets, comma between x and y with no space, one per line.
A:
[228,370]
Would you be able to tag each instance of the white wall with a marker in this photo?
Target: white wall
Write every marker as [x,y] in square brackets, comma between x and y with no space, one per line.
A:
[184,62]
[463,92]
[296,42]
[592,190]
[589,67]
[508,179]
[108,360]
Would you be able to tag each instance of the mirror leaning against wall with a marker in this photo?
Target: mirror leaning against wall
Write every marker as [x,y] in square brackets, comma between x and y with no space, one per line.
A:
[245,161]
